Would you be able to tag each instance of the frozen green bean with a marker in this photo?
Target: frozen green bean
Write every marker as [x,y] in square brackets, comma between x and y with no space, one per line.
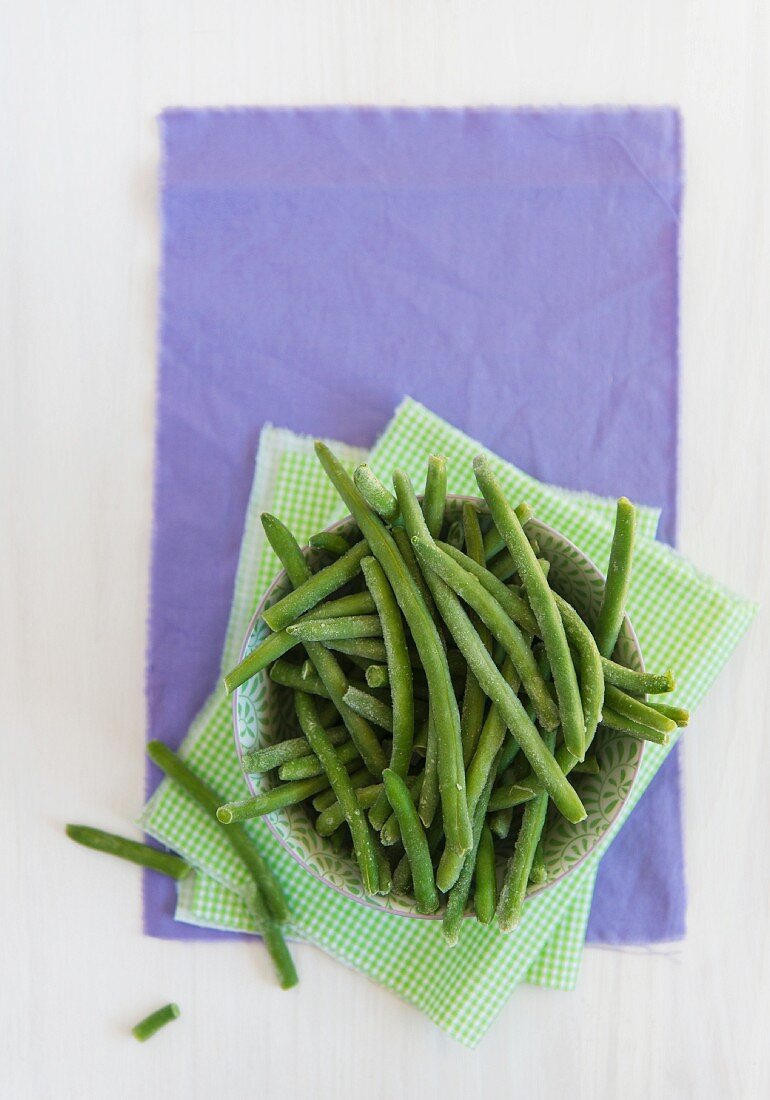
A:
[380,499]
[132,850]
[404,544]
[460,892]
[538,874]
[430,795]
[613,605]
[268,898]
[377,676]
[485,894]
[316,588]
[434,500]
[414,840]
[643,732]
[676,714]
[147,1027]
[629,707]
[390,832]
[257,761]
[398,675]
[543,606]
[374,710]
[308,766]
[331,542]
[339,780]
[500,822]
[324,630]
[640,683]
[517,873]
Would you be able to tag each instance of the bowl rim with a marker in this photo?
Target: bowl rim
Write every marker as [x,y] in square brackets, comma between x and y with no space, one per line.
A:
[374,902]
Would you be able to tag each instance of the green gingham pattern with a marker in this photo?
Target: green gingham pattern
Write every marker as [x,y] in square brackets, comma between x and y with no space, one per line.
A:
[681,619]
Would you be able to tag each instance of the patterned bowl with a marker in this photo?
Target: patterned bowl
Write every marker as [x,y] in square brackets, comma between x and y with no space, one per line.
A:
[263,714]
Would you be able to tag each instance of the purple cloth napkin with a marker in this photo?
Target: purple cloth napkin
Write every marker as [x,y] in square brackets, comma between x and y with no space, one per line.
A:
[516,271]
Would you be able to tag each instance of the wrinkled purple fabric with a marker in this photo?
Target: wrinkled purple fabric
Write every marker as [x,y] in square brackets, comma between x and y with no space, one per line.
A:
[516,271]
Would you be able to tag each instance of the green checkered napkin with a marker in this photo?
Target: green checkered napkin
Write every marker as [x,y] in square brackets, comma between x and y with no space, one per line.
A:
[681,618]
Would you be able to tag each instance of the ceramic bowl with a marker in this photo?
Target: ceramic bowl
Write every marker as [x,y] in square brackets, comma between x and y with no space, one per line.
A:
[263,714]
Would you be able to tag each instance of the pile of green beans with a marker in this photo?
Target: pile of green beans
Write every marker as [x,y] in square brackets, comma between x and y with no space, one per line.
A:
[443,691]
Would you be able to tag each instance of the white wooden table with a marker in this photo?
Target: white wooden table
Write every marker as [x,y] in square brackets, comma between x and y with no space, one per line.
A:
[80,84]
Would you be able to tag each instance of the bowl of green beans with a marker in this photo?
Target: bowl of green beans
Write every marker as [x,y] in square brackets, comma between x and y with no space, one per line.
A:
[423,709]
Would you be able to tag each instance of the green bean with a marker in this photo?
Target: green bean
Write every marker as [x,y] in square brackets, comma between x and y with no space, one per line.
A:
[414,840]
[404,544]
[286,548]
[538,874]
[370,708]
[316,588]
[390,832]
[288,675]
[640,683]
[507,633]
[323,630]
[339,780]
[500,822]
[147,1027]
[430,795]
[132,850]
[434,500]
[484,759]
[332,816]
[613,605]
[268,898]
[308,766]
[422,627]
[676,714]
[474,700]
[385,878]
[615,721]
[265,653]
[331,542]
[362,778]
[517,874]
[493,540]
[277,798]
[380,499]
[398,674]
[543,606]
[377,676]
[451,770]
[629,707]
[458,895]
[257,761]
[399,669]
[485,895]
[402,875]
[590,663]
[512,603]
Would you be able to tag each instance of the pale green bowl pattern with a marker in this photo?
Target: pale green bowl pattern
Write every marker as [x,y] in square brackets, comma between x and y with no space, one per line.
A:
[263,714]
